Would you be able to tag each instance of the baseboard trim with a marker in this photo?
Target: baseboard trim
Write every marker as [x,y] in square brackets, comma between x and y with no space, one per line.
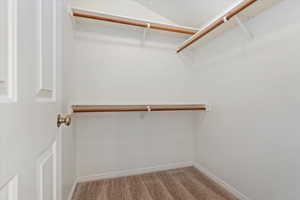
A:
[72,190]
[130,172]
[221,182]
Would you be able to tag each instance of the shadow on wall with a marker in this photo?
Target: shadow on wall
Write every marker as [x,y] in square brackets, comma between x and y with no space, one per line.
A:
[257,8]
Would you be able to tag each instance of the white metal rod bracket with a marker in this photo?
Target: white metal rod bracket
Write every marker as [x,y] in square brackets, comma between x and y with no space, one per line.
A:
[208,107]
[146,30]
[71,14]
[149,108]
[225,19]
[142,114]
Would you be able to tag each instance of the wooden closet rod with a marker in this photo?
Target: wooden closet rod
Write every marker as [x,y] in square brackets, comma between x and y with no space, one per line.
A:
[133,23]
[240,7]
[94,109]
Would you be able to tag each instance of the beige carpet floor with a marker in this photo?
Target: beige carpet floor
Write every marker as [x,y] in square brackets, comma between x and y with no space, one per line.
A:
[178,184]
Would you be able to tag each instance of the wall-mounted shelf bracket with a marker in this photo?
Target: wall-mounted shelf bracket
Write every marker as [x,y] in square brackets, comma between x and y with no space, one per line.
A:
[146,30]
[218,22]
[142,114]
[225,19]
[208,107]
[71,14]
[248,33]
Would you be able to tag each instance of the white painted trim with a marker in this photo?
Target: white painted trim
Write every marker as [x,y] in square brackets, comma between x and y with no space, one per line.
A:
[59,165]
[130,172]
[41,89]
[55,172]
[12,39]
[122,173]
[13,50]
[50,153]
[12,188]
[120,103]
[72,190]
[221,182]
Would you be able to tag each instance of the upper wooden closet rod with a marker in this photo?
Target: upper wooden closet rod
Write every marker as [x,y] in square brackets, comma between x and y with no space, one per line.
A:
[218,22]
[132,22]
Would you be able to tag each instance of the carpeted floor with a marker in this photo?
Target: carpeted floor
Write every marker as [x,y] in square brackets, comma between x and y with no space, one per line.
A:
[178,184]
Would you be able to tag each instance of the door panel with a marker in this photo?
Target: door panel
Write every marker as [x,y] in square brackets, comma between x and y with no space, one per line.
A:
[8,50]
[28,132]
[47,174]
[47,49]
[9,191]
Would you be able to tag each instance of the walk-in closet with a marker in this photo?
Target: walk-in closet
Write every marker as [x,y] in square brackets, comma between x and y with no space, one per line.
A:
[149,99]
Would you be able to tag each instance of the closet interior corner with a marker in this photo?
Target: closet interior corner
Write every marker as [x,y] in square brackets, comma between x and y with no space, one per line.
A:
[179,100]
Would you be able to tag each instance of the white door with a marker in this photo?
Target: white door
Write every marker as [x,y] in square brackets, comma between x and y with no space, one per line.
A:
[29,99]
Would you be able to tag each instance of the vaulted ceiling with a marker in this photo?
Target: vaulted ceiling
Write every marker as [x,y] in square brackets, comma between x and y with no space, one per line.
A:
[194,13]
[197,13]
[188,12]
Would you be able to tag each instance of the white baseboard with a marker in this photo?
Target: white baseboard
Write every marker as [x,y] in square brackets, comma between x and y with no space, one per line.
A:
[131,172]
[225,185]
[72,190]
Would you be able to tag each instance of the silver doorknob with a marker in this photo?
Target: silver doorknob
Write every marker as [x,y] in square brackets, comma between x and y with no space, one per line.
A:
[66,120]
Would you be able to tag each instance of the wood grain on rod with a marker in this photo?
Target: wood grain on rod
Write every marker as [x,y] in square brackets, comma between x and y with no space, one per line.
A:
[217,24]
[173,30]
[87,110]
[91,110]
[134,23]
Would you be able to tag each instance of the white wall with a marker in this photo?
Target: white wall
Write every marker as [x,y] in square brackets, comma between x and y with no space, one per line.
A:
[120,141]
[251,138]
[120,7]
[112,67]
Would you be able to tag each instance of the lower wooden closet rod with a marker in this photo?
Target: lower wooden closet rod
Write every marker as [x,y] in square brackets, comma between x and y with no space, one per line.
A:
[133,109]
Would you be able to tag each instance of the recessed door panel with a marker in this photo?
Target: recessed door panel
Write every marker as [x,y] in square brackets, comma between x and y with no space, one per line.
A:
[8,50]
[47,50]
[46,173]
[9,191]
